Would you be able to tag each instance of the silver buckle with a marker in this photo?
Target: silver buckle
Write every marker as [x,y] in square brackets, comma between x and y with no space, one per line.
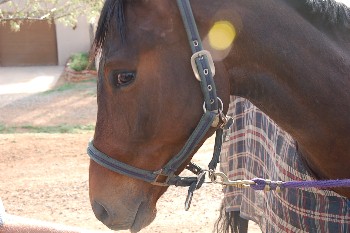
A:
[194,65]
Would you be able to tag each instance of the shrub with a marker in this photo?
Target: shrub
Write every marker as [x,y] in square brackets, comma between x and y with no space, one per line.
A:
[79,61]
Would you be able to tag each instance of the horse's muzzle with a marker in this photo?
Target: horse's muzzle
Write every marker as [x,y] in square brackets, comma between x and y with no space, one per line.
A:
[100,212]
[133,221]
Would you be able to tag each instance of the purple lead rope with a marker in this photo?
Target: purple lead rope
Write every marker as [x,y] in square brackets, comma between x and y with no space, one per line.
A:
[261,184]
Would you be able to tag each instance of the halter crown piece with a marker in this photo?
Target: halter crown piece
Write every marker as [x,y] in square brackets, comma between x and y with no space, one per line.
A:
[204,69]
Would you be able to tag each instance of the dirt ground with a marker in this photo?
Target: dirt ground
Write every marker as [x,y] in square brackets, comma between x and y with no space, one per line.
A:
[45,176]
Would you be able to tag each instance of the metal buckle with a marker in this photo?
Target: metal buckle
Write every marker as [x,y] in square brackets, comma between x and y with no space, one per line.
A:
[160,174]
[210,61]
[221,120]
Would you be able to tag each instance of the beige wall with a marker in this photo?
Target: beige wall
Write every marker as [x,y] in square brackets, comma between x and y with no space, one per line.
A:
[71,40]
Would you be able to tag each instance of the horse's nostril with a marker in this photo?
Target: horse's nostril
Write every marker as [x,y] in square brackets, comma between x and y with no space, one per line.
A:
[100,211]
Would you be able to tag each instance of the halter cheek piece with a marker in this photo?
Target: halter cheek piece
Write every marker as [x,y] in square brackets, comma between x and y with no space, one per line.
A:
[204,69]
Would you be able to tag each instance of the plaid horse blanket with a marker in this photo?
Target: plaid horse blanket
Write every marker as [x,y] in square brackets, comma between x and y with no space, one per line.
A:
[256,147]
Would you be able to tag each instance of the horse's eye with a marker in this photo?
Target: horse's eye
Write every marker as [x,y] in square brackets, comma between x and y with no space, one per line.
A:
[124,78]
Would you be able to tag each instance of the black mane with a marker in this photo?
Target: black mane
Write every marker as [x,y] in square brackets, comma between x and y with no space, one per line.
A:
[331,13]
[112,10]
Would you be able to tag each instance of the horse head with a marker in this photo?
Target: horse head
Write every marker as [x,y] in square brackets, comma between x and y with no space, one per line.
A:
[149,103]
[291,59]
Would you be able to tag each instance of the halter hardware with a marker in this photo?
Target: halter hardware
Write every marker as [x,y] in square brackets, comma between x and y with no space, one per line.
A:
[204,69]
[200,55]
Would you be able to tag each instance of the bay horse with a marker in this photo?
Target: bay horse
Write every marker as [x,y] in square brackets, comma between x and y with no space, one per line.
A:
[289,58]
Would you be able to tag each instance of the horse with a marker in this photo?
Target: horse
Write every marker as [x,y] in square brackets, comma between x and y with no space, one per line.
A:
[289,58]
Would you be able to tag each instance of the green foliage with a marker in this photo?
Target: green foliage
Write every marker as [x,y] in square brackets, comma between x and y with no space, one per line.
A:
[64,87]
[82,85]
[79,61]
[66,12]
[46,129]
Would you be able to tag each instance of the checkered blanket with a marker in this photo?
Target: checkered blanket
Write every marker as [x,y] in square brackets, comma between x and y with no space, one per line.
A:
[256,147]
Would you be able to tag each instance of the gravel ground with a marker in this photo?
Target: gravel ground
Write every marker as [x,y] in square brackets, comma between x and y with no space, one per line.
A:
[45,176]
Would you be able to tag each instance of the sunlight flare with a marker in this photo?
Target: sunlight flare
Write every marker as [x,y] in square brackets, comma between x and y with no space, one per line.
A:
[222,35]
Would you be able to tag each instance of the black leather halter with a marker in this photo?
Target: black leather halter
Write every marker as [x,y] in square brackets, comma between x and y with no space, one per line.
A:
[203,67]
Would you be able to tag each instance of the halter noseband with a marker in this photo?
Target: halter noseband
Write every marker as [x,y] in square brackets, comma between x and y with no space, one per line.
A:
[204,69]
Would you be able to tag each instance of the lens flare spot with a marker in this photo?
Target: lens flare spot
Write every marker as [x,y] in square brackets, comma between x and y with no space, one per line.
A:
[222,35]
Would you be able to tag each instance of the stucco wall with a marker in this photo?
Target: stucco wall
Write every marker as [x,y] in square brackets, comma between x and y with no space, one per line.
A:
[71,40]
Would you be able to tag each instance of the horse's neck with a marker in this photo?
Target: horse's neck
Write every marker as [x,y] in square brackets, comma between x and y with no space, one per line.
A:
[300,78]
[329,17]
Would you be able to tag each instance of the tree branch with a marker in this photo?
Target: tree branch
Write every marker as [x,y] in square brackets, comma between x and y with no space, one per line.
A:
[4,1]
[66,12]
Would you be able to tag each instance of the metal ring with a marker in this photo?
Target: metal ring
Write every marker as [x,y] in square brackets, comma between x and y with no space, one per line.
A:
[210,87]
[204,108]
[206,71]
[195,43]
[220,108]
[221,104]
